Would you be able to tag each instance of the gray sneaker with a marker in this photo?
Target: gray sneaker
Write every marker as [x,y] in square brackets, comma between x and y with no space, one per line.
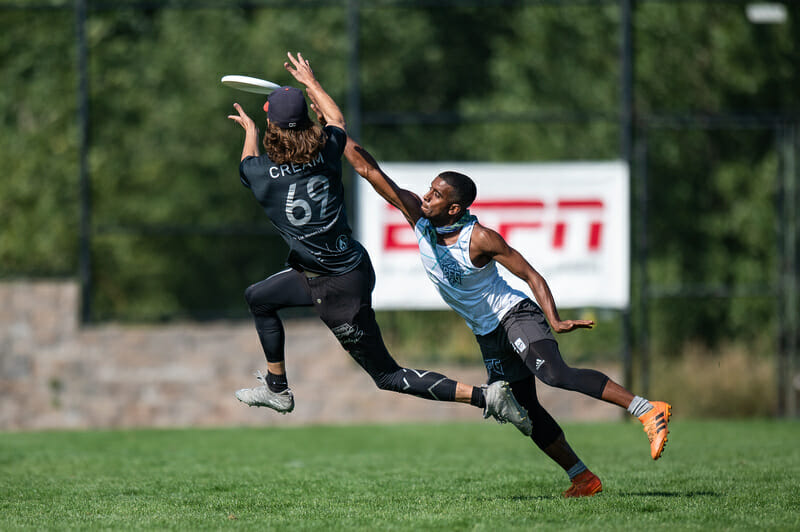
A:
[282,402]
[503,406]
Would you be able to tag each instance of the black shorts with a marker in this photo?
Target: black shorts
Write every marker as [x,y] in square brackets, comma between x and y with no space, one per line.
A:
[504,349]
[344,303]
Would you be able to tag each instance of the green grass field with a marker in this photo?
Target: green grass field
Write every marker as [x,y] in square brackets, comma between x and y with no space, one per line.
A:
[716,475]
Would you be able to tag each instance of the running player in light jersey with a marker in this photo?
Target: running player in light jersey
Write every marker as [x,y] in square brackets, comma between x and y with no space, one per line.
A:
[460,257]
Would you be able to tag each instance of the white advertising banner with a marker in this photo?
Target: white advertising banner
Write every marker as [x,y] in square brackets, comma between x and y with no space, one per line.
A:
[569,220]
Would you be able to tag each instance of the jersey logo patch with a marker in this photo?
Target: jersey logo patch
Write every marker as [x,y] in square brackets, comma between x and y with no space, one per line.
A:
[520,345]
[494,366]
[451,270]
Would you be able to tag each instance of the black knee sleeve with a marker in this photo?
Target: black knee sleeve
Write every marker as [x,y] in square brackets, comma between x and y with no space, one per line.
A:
[421,383]
[545,361]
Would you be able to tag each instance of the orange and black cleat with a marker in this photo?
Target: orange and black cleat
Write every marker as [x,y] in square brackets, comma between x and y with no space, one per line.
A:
[585,484]
[655,425]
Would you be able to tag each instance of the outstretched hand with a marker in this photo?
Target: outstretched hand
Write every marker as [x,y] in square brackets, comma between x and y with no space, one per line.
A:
[322,104]
[570,325]
[242,118]
[250,148]
[300,69]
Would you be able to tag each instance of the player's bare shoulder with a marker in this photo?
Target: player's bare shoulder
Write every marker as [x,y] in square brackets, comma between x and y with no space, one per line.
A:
[487,239]
[485,244]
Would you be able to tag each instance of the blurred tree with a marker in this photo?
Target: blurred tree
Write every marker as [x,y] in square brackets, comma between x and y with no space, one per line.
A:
[38,192]
[712,215]
[176,234]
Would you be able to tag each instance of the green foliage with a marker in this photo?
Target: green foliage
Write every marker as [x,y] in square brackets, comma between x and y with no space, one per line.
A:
[713,475]
[715,229]
[547,65]
[706,57]
[38,138]
[431,336]
[174,233]
[443,336]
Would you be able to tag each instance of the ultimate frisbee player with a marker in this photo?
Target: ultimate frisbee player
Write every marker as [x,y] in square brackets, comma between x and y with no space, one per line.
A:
[460,256]
[298,182]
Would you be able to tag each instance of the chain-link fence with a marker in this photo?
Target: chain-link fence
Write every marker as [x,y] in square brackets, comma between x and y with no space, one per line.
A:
[121,164]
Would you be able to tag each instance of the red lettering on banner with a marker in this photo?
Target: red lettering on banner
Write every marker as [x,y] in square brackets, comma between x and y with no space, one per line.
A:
[505,228]
[558,235]
[595,227]
[595,230]
[400,236]
[507,204]
[393,237]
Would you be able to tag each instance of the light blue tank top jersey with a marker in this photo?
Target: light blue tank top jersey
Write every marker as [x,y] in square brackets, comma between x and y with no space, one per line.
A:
[479,295]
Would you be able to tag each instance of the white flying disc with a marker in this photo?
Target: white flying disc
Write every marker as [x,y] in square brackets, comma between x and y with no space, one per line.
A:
[248,84]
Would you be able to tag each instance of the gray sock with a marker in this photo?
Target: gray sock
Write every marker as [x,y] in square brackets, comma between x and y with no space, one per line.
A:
[639,406]
[576,470]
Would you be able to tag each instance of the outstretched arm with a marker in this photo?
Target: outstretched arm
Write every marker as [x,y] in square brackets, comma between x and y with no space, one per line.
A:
[490,244]
[321,100]
[366,166]
[250,148]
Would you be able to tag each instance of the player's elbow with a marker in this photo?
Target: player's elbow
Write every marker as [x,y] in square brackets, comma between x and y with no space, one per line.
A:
[362,166]
[336,121]
[361,169]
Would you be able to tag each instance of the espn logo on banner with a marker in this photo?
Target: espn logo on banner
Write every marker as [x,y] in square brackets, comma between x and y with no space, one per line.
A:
[528,215]
[569,220]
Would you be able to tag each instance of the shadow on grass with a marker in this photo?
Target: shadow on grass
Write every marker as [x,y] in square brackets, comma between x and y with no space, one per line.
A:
[683,494]
[523,498]
[531,497]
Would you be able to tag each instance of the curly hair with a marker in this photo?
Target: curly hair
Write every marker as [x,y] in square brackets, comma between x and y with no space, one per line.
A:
[289,146]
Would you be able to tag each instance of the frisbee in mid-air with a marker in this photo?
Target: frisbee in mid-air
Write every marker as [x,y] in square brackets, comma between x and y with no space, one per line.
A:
[249,84]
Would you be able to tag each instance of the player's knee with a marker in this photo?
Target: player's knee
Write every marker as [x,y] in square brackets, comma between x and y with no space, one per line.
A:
[250,295]
[555,377]
[258,307]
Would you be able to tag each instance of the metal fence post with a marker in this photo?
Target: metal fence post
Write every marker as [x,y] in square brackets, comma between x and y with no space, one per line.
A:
[626,96]
[353,98]
[641,261]
[794,269]
[788,372]
[787,290]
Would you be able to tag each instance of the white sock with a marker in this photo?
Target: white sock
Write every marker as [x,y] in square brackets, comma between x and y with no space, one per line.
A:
[639,406]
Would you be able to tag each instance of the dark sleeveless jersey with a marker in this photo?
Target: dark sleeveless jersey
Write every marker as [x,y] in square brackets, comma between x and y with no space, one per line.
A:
[305,203]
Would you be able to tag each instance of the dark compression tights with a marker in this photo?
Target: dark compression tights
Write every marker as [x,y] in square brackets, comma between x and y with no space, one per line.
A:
[544,360]
[265,298]
[545,428]
[288,288]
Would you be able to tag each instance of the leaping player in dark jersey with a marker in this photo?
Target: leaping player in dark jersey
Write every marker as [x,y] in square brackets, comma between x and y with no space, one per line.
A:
[298,182]
[460,256]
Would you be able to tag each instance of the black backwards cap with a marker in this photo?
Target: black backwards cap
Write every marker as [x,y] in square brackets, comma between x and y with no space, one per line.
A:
[286,108]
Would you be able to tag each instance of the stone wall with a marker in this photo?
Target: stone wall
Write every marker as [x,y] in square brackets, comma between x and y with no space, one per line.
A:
[56,374]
